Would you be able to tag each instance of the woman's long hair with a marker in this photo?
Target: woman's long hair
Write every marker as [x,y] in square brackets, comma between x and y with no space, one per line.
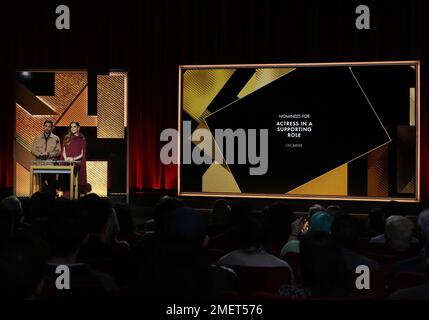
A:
[68,136]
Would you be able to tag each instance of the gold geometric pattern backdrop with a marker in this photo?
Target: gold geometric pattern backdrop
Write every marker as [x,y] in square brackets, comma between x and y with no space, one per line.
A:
[69,86]
[22,178]
[69,103]
[97,177]
[78,111]
[110,106]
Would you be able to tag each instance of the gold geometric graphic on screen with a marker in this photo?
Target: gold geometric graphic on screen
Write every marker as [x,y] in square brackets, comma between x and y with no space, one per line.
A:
[378,169]
[30,102]
[200,87]
[202,143]
[412,107]
[206,145]
[410,187]
[97,177]
[196,81]
[67,86]
[325,183]
[405,159]
[261,78]
[124,76]
[28,126]
[78,111]
[218,179]
[22,178]
[332,183]
[110,106]
[375,186]
[370,104]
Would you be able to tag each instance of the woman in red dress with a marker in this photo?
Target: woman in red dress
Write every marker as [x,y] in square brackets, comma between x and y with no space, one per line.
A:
[74,149]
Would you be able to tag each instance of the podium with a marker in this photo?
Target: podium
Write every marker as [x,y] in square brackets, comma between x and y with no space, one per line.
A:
[39,167]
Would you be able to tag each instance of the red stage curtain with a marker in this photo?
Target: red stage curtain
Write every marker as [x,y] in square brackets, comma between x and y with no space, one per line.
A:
[7,126]
[148,116]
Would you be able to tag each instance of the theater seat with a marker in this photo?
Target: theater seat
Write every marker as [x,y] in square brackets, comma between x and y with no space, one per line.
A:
[386,260]
[409,279]
[270,297]
[264,279]
[79,292]
[383,249]
[275,297]
[376,281]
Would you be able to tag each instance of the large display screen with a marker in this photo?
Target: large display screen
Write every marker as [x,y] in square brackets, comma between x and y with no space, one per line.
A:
[338,130]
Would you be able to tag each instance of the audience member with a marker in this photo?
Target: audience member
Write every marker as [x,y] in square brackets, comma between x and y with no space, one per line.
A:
[322,269]
[164,206]
[315,208]
[220,217]
[251,252]
[13,205]
[345,232]
[398,234]
[174,266]
[6,224]
[66,233]
[278,219]
[415,264]
[93,239]
[335,211]
[102,250]
[420,292]
[22,263]
[319,221]
[127,227]
[230,239]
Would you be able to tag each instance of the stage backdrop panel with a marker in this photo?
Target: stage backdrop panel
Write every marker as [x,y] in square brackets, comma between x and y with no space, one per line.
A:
[63,97]
[338,130]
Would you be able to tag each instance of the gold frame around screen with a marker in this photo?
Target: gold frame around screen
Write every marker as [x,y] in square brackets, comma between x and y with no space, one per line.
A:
[183,68]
